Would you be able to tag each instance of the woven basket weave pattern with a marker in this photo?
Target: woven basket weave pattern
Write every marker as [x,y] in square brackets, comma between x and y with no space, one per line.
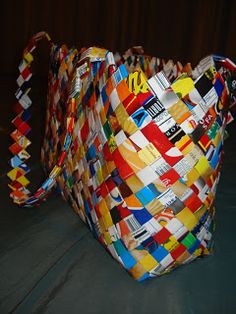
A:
[134,144]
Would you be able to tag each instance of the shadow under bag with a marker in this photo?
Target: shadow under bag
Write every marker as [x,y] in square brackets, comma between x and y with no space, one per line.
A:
[134,143]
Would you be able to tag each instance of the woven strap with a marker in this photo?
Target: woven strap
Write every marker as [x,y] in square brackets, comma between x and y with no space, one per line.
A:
[19,182]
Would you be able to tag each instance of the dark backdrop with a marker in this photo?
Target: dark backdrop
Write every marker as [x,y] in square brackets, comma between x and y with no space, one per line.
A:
[182,30]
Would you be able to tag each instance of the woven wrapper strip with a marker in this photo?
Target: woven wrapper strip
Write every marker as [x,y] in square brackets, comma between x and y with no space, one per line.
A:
[134,143]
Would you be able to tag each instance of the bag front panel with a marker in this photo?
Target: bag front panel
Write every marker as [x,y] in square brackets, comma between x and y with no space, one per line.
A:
[144,165]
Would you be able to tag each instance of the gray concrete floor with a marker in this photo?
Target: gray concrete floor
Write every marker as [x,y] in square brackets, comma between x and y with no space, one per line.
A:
[50,263]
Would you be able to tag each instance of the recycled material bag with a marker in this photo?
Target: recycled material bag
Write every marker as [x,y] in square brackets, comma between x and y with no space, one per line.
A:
[134,143]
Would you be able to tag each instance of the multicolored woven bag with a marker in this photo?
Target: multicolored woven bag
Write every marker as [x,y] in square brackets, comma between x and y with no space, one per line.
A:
[134,143]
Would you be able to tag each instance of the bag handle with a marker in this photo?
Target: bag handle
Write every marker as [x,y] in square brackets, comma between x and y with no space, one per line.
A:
[20,194]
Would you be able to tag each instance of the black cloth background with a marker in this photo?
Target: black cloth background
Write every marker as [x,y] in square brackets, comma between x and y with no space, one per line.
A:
[182,30]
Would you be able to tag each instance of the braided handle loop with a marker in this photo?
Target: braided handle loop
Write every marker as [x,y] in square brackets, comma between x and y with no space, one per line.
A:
[20,194]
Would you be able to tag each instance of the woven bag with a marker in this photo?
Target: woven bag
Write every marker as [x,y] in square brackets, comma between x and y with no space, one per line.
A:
[134,143]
